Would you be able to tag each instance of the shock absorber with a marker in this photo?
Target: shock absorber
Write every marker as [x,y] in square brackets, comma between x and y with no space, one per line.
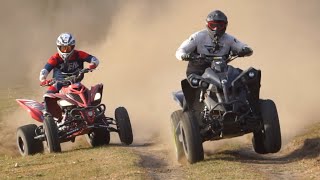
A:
[201,98]
[225,90]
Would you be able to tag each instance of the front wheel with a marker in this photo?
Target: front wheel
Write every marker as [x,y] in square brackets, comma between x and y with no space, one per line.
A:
[191,140]
[98,136]
[123,125]
[258,143]
[26,143]
[268,139]
[51,134]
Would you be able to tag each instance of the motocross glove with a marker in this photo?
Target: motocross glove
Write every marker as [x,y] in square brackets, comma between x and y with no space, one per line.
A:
[45,82]
[192,56]
[187,57]
[92,66]
[245,51]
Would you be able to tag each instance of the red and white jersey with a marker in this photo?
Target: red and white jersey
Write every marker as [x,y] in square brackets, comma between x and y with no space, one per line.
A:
[74,63]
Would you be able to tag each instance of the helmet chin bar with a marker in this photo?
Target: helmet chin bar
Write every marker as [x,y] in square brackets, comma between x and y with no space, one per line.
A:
[64,56]
[215,35]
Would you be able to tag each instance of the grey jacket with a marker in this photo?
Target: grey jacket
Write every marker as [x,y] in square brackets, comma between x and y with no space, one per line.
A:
[201,43]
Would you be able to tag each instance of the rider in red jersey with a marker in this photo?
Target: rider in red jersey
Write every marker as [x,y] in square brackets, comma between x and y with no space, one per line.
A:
[66,60]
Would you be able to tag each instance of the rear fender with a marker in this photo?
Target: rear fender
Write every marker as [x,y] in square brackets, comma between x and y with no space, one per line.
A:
[33,107]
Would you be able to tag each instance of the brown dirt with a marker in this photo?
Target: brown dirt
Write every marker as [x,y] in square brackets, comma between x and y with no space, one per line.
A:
[156,158]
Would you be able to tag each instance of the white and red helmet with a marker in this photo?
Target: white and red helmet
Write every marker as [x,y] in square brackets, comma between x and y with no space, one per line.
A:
[65,45]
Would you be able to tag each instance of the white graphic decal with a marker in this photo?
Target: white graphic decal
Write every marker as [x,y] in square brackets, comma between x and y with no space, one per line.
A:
[72,66]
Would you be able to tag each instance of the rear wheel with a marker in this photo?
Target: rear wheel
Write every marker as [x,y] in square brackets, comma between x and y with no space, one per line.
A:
[124,125]
[26,143]
[191,140]
[51,134]
[175,118]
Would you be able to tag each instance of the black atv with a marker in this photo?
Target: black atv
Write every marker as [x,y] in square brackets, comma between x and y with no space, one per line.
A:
[223,103]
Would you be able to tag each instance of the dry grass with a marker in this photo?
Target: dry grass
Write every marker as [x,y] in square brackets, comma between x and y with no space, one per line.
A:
[298,160]
[222,165]
[108,162]
[304,152]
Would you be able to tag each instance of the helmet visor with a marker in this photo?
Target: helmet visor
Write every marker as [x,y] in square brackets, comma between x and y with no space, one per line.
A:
[66,49]
[216,25]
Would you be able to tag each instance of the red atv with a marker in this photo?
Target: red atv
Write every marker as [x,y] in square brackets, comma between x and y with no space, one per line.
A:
[74,111]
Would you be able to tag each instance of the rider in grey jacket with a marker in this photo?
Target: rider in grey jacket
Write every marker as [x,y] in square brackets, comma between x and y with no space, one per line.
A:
[212,41]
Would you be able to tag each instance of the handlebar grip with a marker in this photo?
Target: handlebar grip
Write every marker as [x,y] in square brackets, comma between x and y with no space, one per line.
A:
[47,82]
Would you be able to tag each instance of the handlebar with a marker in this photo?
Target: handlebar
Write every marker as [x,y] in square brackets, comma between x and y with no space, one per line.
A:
[70,79]
[210,59]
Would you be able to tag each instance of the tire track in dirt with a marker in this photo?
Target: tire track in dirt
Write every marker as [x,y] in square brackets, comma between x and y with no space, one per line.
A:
[156,159]
[159,163]
[273,166]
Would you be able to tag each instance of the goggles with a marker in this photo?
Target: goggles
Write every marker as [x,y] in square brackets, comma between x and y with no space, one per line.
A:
[66,49]
[216,25]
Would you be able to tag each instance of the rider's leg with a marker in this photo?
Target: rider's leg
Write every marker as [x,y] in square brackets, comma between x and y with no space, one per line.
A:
[55,88]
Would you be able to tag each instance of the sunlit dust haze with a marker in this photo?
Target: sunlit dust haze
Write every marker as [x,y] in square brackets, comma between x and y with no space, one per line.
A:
[136,40]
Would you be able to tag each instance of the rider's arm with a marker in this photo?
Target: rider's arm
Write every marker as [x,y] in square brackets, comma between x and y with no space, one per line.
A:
[94,62]
[52,62]
[240,48]
[188,46]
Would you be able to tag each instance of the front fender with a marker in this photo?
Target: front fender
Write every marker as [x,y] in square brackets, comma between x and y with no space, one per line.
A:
[93,91]
[178,97]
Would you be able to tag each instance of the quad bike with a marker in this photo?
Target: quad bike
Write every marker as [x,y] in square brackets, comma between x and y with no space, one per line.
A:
[75,110]
[223,103]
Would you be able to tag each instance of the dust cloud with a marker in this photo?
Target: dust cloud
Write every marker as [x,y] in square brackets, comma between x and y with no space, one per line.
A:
[136,41]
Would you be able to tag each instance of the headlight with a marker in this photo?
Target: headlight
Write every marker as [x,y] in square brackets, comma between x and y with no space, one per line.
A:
[64,103]
[195,82]
[224,81]
[97,96]
[251,74]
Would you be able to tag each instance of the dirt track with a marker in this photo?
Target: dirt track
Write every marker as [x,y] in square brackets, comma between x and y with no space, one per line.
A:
[157,161]
[284,165]
[272,166]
